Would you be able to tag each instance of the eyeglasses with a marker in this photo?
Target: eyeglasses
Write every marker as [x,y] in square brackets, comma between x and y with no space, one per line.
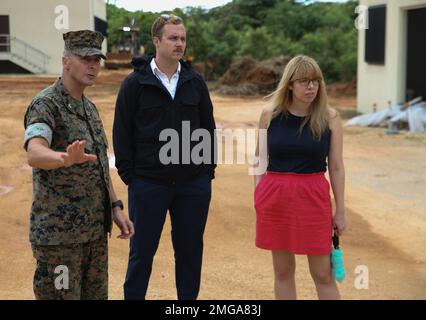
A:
[305,82]
[170,18]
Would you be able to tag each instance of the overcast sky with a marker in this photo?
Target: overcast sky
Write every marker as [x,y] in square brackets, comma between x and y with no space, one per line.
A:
[168,5]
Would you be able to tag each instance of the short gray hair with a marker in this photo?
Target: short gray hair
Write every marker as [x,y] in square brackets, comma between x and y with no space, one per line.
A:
[67,53]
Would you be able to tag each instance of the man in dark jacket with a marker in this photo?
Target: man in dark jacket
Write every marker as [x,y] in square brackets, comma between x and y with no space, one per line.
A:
[164,98]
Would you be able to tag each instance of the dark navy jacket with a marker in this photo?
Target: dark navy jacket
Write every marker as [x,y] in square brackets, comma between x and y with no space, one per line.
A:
[144,108]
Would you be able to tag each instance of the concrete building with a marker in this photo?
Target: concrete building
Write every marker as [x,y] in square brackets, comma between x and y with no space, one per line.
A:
[391,53]
[31,31]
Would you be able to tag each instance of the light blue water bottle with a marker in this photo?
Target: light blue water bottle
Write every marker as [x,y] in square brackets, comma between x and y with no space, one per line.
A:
[337,267]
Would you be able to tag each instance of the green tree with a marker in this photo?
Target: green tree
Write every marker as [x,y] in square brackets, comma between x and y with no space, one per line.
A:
[260,28]
[255,43]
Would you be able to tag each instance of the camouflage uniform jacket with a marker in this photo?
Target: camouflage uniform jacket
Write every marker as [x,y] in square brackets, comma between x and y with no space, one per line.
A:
[70,205]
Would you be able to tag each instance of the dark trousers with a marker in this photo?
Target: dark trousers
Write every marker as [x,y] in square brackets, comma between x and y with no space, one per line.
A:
[188,204]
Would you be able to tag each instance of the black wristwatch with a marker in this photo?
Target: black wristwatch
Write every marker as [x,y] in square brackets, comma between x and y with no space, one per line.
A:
[117,203]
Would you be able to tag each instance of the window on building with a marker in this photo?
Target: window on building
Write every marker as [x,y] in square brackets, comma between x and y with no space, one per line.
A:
[375,35]
[101,26]
[4,34]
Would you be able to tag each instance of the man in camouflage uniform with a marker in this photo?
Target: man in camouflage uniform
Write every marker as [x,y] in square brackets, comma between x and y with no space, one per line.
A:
[74,201]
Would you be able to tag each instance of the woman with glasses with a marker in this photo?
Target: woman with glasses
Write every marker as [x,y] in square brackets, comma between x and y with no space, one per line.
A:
[292,198]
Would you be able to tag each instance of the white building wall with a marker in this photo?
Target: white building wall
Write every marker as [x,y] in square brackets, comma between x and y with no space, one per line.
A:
[383,84]
[34,22]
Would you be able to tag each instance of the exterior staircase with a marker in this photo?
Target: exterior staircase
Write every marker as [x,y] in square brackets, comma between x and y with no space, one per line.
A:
[23,54]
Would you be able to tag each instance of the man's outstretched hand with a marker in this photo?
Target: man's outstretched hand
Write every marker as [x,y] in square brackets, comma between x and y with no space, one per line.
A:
[75,154]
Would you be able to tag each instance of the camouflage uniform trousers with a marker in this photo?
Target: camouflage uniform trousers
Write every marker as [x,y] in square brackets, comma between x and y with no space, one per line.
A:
[72,272]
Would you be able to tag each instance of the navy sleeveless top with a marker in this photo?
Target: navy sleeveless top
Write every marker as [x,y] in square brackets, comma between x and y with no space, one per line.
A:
[292,151]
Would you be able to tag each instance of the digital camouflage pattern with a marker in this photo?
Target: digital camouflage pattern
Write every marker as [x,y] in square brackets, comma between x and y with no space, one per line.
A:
[84,42]
[70,205]
[81,271]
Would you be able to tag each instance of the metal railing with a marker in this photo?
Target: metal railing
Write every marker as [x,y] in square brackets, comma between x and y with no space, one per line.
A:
[21,50]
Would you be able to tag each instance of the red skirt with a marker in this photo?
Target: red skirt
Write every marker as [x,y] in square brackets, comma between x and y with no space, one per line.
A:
[294,213]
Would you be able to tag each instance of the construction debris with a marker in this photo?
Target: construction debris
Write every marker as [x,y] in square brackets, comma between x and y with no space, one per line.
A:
[411,115]
[246,76]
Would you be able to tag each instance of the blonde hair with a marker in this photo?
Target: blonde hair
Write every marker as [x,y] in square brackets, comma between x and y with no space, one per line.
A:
[161,21]
[300,67]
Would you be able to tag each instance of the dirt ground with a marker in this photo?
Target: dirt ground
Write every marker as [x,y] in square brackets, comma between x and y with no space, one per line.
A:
[385,202]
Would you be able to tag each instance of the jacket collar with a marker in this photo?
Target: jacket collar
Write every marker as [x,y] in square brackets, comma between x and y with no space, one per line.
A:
[156,70]
[146,76]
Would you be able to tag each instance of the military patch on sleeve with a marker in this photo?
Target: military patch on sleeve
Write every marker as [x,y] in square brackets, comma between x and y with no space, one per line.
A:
[38,130]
